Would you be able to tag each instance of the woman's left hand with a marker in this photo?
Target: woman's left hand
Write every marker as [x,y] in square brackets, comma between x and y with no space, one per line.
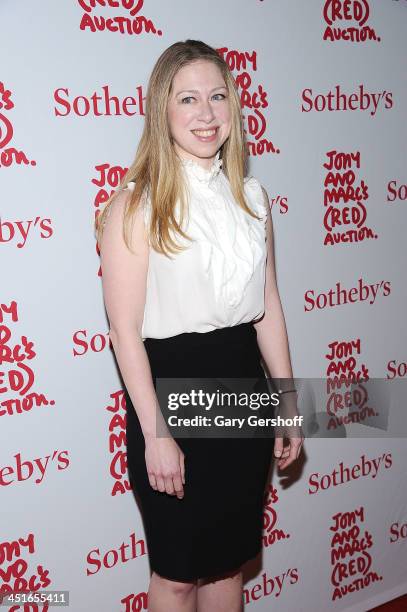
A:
[287,454]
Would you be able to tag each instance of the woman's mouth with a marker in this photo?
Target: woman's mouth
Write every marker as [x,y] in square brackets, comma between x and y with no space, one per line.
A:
[206,135]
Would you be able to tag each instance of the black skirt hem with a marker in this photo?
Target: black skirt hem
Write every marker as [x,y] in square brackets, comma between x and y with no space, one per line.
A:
[205,573]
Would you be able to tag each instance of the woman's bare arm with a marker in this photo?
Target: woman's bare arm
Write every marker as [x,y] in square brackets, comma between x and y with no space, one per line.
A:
[124,281]
[271,329]
[272,339]
[124,278]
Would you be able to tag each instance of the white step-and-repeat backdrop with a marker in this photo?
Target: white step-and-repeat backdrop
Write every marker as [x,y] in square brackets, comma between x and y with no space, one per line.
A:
[324,94]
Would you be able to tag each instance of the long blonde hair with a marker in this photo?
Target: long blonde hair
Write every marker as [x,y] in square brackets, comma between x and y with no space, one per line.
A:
[156,170]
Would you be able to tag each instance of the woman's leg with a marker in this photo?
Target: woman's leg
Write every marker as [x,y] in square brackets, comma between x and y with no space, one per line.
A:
[221,593]
[166,595]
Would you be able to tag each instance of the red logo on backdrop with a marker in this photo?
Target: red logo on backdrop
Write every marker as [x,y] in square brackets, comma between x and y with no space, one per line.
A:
[346,20]
[253,104]
[98,104]
[342,474]
[96,343]
[133,549]
[17,232]
[396,370]
[108,179]
[339,296]
[351,558]
[344,385]
[396,192]
[271,534]
[271,585]
[339,100]
[117,443]
[9,155]
[14,569]
[130,22]
[344,200]
[18,377]
[23,470]
[255,101]
[398,532]
[135,602]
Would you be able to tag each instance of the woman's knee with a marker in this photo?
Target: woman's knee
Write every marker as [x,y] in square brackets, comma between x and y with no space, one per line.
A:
[180,589]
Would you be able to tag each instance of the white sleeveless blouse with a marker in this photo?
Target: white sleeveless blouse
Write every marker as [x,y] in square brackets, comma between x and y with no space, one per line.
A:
[219,280]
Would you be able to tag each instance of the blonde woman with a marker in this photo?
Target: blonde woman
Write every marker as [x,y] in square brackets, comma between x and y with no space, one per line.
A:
[189,286]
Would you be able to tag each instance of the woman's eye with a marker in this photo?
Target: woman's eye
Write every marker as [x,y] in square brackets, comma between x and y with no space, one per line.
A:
[192,98]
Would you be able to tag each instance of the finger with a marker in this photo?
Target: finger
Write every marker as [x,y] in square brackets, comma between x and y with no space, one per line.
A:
[179,489]
[182,467]
[285,451]
[160,484]
[283,459]
[153,481]
[282,464]
[278,447]
[169,485]
[286,454]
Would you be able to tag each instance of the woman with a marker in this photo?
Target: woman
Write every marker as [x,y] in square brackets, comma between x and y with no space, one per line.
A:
[194,300]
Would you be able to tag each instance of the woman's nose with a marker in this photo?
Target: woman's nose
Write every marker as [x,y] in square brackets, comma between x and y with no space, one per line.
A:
[206,111]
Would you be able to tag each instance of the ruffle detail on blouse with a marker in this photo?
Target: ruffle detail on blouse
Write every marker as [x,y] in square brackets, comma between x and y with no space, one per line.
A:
[232,243]
[195,169]
[259,205]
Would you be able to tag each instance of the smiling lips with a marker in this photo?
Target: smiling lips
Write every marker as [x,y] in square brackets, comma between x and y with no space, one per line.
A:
[206,135]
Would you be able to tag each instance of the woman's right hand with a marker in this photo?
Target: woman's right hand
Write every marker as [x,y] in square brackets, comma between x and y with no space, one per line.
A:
[165,463]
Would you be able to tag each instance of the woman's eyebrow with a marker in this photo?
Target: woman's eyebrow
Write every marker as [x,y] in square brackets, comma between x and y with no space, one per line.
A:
[197,92]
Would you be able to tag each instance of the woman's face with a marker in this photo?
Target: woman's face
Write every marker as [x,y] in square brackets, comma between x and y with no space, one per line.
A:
[198,112]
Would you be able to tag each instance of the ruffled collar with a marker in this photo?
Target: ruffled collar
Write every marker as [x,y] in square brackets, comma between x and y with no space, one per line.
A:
[193,168]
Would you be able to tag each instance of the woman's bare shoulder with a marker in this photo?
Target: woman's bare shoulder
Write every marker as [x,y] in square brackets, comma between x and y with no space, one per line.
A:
[113,226]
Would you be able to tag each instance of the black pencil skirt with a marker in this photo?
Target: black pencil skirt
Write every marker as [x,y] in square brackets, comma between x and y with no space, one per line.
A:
[218,524]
